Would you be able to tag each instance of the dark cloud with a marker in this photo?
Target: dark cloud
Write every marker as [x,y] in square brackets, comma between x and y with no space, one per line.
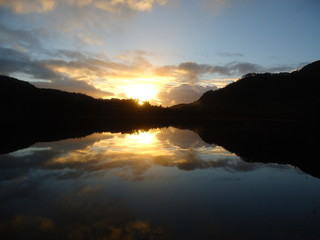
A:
[13,62]
[192,72]
[241,68]
[184,93]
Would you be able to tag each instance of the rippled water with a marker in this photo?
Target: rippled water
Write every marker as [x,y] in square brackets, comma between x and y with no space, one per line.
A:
[159,184]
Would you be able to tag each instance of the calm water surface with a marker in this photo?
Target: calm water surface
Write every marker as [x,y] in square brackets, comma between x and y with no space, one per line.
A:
[160,184]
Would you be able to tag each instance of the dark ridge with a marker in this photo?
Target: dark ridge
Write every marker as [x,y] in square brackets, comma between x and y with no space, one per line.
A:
[13,84]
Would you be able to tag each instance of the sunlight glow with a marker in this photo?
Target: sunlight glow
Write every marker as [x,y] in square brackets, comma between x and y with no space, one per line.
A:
[141,91]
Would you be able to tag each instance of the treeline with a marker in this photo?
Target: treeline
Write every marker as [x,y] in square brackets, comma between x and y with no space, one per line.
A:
[19,98]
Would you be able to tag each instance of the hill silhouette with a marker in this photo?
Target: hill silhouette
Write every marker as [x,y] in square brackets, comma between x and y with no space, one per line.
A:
[262,96]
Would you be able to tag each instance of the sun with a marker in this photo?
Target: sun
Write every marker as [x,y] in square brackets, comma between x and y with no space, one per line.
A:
[141,92]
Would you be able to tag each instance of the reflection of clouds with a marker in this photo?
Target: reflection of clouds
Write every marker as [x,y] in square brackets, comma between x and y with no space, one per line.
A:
[72,190]
[28,151]
[127,156]
[181,138]
[18,164]
[131,156]
[191,160]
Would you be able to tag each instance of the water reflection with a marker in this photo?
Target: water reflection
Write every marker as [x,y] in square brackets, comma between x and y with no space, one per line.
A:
[157,184]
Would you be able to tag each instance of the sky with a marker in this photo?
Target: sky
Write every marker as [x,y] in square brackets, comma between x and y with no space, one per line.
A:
[162,51]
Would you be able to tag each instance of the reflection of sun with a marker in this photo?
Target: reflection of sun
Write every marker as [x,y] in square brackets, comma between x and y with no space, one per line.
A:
[141,92]
[142,138]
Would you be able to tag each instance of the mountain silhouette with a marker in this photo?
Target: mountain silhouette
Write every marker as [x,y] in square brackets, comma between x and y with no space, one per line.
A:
[262,96]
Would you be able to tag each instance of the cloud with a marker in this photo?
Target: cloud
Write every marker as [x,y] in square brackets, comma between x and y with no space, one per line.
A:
[93,74]
[19,39]
[28,6]
[190,74]
[84,24]
[192,71]
[42,6]
[98,76]
[81,23]
[183,93]
[71,85]
[229,54]
[13,62]
[130,54]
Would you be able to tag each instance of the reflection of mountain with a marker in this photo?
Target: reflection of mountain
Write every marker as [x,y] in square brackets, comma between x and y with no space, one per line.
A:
[255,141]
[262,96]
[267,142]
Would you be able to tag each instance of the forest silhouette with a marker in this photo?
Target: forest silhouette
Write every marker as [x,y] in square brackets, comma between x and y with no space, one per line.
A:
[281,96]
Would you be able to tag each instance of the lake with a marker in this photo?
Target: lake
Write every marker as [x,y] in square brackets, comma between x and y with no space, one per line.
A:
[161,183]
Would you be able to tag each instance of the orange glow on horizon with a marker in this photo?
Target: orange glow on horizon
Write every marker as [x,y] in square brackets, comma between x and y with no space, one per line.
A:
[142,92]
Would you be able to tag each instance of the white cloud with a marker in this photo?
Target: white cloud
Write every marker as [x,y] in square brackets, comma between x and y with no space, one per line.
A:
[183,93]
